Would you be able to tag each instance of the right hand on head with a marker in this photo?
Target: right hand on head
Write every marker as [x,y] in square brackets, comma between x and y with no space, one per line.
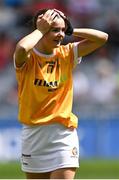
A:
[45,21]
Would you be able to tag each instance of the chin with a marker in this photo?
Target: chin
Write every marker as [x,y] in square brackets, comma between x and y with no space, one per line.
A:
[57,45]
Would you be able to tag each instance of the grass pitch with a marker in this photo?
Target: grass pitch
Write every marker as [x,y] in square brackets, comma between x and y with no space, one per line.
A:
[89,169]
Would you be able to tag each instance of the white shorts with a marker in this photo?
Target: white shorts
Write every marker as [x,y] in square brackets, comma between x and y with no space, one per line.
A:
[49,147]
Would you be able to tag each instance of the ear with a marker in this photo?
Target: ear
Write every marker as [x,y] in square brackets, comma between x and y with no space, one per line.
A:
[69,30]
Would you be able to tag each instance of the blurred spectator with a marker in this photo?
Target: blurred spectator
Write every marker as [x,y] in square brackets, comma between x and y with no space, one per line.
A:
[6,50]
[7,18]
[112,27]
[117,91]
[83,11]
[35,5]
[14,3]
[105,85]
[81,86]
[7,80]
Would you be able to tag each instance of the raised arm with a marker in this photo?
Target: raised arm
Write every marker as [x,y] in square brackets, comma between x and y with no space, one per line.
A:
[92,39]
[24,46]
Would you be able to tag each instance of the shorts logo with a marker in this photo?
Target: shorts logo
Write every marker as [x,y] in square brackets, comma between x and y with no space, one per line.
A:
[74,152]
[26,155]
[25,158]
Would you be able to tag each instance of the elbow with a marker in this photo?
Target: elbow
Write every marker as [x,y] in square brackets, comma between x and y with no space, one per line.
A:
[20,48]
[104,38]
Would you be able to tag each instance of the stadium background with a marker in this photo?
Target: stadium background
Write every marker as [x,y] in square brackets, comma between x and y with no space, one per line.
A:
[96,85]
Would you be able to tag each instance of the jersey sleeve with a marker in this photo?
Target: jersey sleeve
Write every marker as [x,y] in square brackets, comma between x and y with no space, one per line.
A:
[17,68]
[25,66]
[74,58]
[77,59]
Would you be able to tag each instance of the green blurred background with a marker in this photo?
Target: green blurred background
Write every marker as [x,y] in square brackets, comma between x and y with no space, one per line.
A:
[89,169]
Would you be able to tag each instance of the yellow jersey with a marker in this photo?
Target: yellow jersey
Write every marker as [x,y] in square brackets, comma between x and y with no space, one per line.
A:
[45,87]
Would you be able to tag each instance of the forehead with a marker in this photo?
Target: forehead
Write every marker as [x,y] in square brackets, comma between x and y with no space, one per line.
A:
[59,22]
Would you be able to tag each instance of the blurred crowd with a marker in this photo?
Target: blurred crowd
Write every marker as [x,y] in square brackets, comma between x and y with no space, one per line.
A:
[96,79]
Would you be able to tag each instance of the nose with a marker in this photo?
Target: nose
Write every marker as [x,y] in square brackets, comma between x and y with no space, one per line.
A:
[61,33]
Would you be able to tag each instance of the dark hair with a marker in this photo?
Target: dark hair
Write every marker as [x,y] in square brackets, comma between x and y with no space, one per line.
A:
[69,29]
[34,20]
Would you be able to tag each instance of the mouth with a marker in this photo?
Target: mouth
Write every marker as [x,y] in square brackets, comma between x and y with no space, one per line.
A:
[57,41]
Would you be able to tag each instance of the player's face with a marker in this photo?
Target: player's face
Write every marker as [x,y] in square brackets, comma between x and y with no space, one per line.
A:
[56,34]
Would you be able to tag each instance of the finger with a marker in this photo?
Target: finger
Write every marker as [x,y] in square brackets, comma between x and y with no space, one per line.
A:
[54,15]
[40,16]
[48,13]
[51,16]
[60,12]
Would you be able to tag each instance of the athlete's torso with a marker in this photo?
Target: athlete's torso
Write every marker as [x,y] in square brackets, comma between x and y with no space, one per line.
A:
[45,87]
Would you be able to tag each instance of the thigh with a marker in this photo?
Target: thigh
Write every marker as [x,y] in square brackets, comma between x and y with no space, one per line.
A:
[64,173]
[37,175]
